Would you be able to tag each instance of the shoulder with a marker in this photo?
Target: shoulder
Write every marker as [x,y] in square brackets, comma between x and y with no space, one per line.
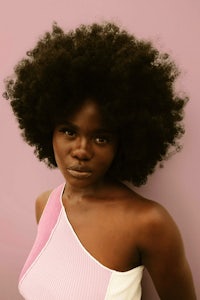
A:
[154,216]
[162,252]
[156,227]
[146,216]
[157,223]
[149,214]
[40,204]
[153,228]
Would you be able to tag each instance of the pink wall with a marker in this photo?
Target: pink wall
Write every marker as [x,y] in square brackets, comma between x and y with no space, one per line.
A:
[174,26]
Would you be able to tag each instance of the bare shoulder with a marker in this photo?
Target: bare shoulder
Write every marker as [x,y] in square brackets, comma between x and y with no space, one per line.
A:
[154,217]
[41,203]
[150,214]
[156,227]
[147,217]
[162,251]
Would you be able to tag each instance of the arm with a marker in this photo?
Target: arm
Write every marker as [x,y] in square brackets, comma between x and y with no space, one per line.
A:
[163,256]
[40,204]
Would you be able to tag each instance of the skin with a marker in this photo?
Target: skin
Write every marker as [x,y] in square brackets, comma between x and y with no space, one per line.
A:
[110,218]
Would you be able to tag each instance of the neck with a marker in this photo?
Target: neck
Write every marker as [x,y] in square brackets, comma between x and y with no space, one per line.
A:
[95,191]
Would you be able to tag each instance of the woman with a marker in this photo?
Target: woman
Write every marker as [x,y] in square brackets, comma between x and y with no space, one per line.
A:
[100,105]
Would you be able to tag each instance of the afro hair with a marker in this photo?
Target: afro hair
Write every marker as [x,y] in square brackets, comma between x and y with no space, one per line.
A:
[129,78]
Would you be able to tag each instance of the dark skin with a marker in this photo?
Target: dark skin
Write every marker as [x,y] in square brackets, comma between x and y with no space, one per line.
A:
[118,227]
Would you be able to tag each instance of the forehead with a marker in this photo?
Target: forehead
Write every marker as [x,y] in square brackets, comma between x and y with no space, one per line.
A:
[89,113]
[88,119]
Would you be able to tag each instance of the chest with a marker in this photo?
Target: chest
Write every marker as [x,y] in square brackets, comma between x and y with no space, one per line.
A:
[107,233]
[63,269]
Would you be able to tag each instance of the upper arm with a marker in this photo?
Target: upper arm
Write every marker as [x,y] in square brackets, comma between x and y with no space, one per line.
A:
[164,257]
[40,204]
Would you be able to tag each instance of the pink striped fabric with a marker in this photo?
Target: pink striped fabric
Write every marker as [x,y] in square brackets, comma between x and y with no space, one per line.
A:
[45,226]
[59,267]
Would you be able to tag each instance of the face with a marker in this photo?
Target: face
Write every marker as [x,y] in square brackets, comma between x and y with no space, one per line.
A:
[84,149]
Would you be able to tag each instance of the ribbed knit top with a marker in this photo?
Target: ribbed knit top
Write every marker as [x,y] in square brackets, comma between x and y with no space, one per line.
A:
[59,267]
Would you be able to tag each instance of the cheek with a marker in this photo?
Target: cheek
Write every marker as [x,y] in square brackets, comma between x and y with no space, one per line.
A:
[56,150]
[59,150]
[60,145]
[113,151]
[107,158]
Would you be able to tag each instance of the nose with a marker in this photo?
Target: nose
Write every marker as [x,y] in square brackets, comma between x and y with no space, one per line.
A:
[82,149]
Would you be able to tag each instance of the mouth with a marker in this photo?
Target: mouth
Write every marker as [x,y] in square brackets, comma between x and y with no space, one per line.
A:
[79,172]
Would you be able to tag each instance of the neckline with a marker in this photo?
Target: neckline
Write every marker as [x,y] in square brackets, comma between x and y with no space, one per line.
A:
[84,249]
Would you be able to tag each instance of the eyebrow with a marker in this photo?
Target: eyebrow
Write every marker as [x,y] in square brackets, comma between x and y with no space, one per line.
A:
[98,130]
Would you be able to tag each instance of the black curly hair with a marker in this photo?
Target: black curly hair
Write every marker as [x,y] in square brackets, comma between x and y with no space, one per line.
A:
[129,78]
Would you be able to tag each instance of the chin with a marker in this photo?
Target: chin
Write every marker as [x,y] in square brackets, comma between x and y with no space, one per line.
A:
[81,183]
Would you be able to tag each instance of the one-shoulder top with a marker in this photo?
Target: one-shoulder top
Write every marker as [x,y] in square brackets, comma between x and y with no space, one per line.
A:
[59,267]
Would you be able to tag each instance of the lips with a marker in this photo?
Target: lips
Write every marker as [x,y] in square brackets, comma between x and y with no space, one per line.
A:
[79,172]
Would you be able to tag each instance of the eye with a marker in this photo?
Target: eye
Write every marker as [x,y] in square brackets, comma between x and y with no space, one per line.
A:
[68,132]
[101,140]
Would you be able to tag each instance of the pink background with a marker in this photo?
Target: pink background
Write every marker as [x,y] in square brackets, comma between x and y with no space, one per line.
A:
[174,27]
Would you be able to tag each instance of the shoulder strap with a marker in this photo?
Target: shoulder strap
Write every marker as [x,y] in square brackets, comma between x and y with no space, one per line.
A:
[47,222]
